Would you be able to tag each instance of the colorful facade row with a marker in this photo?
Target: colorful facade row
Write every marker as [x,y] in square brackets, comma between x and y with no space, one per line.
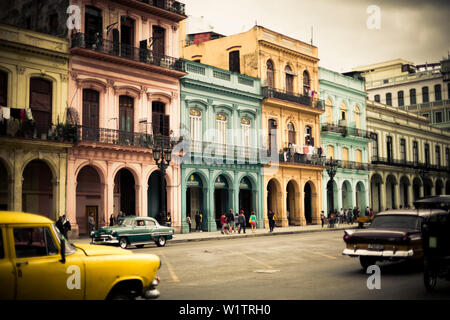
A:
[253,122]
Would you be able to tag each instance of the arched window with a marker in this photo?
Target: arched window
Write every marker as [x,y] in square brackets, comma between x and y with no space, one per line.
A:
[291,133]
[270,74]
[344,154]
[221,126]
[343,109]
[195,119]
[41,103]
[245,129]
[126,113]
[306,83]
[357,117]
[289,79]
[329,111]
[330,152]
[358,156]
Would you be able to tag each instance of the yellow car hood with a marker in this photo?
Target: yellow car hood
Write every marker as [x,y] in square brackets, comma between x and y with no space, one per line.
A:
[94,250]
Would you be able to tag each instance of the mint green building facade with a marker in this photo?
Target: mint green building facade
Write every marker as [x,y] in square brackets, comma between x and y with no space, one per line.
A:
[221,128]
[345,139]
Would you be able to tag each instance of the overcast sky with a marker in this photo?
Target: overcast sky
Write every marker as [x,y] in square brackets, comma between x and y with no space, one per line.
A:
[416,30]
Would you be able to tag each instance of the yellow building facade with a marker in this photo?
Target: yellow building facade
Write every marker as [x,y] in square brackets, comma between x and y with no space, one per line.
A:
[34,71]
[288,69]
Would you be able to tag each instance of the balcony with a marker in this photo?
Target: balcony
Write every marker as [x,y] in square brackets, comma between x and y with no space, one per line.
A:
[209,150]
[426,106]
[317,104]
[117,137]
[409,164]
[169,9]
[311,157]
[117,50]
[28,130]
[351,165]
[347,131]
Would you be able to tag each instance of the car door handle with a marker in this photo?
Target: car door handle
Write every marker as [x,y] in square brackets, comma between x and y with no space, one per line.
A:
[18,264]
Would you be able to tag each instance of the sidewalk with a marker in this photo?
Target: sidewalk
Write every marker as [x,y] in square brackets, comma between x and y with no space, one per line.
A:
[217,235]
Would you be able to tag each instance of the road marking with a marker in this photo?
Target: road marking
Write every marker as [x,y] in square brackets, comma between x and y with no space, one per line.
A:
[251,258]
[169,267]
[323,255]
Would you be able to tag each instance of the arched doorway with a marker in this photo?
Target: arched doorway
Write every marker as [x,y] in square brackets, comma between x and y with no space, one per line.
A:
[347,195]
[308,202]
[89,198]
[274,199]
[404,186]
[37,189]
[194,199]
[154,195]
[375,188]
[417,184]
[361,197]
[125,192]
[222,199]
[391,201]
[439,187]
[332,196]
[427,187]
[4,187]
[246,200]
[291,204]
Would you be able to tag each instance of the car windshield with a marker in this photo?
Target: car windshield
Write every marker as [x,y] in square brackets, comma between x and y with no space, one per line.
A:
[69,247]
[396,221]
[126,222]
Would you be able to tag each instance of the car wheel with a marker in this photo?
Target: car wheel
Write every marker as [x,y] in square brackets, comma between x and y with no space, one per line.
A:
[123,243]
[429,278]
[161,242]
[366,262]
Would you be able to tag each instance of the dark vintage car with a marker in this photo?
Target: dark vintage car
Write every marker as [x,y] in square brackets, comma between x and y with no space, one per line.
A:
[392,235]
[132,230]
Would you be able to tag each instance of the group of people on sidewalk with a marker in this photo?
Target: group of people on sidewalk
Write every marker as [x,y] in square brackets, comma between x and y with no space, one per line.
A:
[235,223]
[344,216]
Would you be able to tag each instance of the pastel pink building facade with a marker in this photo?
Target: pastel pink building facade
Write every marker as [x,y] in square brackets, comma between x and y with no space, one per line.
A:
[123,91]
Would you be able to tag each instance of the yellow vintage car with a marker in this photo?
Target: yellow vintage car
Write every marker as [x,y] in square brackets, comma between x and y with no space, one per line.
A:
[37,263]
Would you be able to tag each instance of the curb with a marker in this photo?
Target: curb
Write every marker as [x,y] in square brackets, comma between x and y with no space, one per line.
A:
[226,237]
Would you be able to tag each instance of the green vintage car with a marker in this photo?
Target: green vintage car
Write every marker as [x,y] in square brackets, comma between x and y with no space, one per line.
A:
[132,230]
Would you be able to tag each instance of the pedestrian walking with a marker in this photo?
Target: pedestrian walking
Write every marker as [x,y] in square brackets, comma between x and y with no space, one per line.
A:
[271,216]
[224,223]
[197,221]
[230,218]
[169,220]
[188,220]
[91,223]
[252,221]
[242,221]
[112,220]
[322,218]
[371,212]
[66,227]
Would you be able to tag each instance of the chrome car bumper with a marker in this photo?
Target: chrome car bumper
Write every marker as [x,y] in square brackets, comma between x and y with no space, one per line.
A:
[151,292]
[105,239]
[382,253]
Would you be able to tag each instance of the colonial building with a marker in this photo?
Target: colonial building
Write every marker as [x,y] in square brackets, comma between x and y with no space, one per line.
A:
[34,139]
[221,168]
[409,157]
[344,139]
[124,85]
[422,89]
[288,69]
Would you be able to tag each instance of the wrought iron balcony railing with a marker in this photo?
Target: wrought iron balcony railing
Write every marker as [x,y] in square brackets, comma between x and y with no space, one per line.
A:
[269,92]
[299,158]
[114,137]
[409,164]
[208,149]
[169,5]
[27,129]
[347,131]
[96,43]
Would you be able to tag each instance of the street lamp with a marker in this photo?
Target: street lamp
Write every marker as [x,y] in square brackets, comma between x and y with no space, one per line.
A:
[162,154]
[423,174]
[331,167]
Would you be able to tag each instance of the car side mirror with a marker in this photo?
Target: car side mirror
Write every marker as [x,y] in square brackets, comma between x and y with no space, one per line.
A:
[63,251]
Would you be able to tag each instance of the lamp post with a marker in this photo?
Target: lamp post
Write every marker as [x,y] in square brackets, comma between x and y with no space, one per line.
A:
[162,154]
[423,174]
[331,167]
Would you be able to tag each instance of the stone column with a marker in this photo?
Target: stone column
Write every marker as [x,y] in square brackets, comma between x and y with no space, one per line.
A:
[382,196]
[396,196]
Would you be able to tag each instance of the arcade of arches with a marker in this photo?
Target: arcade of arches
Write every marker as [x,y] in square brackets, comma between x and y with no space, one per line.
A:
[391,190]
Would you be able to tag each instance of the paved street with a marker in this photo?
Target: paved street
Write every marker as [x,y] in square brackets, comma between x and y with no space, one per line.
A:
[282,267]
